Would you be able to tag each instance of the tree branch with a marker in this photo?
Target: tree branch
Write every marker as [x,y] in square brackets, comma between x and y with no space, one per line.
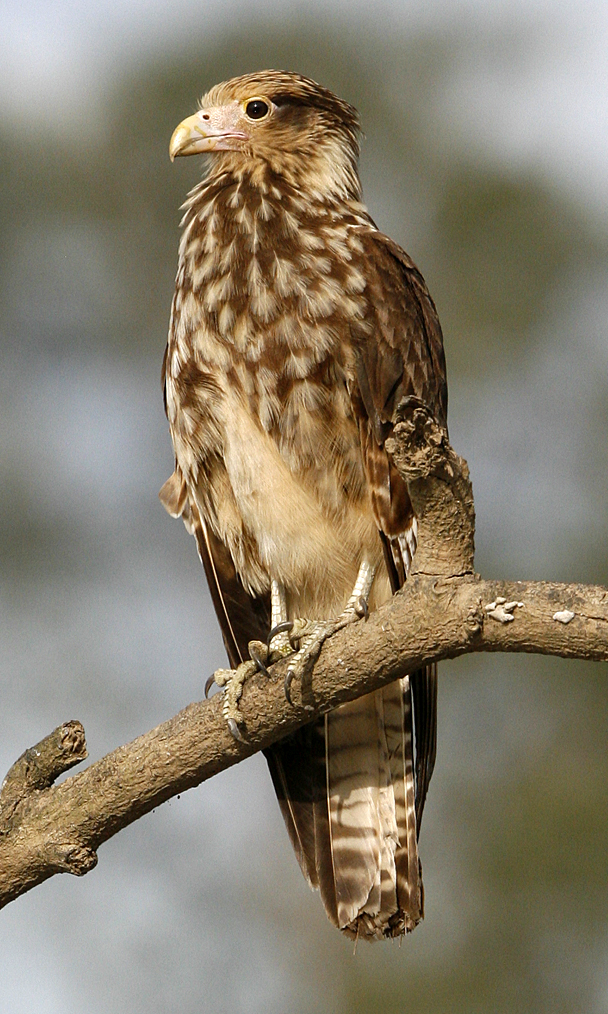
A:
[444,610]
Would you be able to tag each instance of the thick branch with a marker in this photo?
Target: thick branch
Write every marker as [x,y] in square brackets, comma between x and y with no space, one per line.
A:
[59,828]
[444,610]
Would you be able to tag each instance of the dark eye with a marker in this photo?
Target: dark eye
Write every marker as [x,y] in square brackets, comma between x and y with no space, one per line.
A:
[256,109]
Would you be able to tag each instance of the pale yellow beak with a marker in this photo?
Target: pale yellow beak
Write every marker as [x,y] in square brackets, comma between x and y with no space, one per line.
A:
[212,129]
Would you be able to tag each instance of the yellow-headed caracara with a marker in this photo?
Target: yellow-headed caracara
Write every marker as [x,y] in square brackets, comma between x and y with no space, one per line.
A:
[296,329]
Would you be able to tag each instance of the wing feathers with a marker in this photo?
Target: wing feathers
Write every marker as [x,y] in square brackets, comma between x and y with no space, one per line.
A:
[402,353]
[424,687]
[298,769]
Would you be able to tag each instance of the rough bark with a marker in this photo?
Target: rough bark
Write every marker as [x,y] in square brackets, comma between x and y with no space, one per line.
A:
[444,610]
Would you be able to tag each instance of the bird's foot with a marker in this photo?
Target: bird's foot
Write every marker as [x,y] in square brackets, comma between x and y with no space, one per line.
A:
[307,637]
[234,679]
[300,638]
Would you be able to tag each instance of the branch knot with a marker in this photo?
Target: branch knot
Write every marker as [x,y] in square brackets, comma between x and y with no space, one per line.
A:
[440,490]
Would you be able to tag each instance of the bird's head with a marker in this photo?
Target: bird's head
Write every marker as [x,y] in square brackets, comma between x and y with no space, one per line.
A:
[284,120]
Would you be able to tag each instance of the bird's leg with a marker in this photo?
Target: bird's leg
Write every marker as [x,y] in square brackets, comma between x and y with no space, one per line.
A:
[356,608]
[280,627]
[301,638]
[261,655]
[310,635]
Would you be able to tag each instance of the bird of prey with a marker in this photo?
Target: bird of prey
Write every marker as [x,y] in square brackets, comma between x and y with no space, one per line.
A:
[296,329]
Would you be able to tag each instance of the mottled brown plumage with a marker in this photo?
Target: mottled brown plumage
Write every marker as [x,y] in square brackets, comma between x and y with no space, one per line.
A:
[296,329]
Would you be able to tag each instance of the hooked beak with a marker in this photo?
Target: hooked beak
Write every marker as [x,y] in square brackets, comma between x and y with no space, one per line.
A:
[212,129]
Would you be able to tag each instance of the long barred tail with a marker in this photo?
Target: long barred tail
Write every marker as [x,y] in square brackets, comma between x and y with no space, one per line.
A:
[348,798]
[371,791]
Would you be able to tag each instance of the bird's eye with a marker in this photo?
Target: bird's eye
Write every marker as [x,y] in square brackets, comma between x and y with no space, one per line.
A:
[256,109]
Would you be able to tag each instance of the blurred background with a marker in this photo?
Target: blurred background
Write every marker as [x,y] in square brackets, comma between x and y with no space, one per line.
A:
[485,156]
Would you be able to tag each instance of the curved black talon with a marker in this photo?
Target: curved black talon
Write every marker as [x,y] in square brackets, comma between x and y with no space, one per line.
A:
[287,686]
[234,729]
[208,685]
[362,608]
[285,626]
[259,662]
